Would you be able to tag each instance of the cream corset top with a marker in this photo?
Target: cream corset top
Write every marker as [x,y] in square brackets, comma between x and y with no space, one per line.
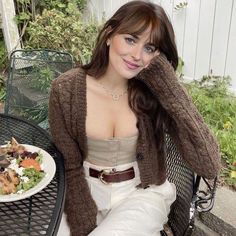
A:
[113,151]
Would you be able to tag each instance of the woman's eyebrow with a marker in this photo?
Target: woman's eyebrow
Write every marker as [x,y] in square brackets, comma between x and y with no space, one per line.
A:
[135,36]
[151,44]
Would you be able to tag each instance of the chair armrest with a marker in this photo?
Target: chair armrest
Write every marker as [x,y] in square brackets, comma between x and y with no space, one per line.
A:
[204,198]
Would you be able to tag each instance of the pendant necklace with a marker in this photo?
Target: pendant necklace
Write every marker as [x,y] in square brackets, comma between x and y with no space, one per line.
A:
[115,96]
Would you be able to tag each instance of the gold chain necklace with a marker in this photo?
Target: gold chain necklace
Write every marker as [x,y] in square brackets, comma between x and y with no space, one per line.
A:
[115,96]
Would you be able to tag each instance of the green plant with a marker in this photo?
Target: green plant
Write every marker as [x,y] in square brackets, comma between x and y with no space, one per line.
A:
[218,107]
[59,31]
[3,53]
[181,5]
[180,68]
[38,113]
[42,78]
[24,13]
[27,10]
[60,4]
[2,88]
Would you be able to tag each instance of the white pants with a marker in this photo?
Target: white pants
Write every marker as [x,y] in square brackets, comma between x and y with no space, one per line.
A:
[123,209]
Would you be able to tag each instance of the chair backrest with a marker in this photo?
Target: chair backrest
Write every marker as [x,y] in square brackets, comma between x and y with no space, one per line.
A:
[29,79]
[183,178]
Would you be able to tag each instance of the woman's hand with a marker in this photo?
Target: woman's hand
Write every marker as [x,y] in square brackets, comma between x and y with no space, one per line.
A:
[161,79]
[159,66]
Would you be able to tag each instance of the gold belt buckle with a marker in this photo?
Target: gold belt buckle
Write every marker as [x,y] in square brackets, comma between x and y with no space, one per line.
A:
[102,173]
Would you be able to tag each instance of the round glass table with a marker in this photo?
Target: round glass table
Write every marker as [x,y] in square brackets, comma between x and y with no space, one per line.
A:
[41,213]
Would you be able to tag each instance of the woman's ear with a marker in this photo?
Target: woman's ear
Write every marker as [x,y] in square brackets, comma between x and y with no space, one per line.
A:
[108,33]
[157,52]
[108,42]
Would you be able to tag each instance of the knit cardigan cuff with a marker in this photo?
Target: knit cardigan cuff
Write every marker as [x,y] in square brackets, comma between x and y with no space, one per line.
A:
[79,200]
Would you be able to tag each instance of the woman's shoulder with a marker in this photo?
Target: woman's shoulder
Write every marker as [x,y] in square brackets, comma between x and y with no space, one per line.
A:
[70,78]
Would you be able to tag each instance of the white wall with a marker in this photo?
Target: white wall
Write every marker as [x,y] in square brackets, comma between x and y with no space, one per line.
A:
[205,33]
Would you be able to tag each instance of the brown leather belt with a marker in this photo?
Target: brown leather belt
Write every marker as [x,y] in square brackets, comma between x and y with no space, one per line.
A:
[112,176]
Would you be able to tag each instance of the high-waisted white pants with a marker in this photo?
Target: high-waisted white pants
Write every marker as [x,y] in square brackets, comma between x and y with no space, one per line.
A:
[124,209]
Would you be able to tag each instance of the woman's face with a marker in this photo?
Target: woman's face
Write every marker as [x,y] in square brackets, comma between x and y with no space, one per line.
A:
[129,54]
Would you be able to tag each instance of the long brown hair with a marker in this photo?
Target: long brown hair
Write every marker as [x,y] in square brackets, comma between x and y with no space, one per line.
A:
[134,18]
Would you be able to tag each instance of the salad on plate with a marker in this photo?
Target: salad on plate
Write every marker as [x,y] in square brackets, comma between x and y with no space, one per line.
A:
[20,169]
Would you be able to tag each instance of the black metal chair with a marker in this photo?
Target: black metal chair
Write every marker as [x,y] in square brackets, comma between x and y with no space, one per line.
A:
[190,199]
[28,84]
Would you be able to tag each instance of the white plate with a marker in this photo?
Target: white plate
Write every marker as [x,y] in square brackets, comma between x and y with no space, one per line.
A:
[49,168]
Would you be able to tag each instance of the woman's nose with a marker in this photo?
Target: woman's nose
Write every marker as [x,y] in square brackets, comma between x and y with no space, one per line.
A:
[136,53]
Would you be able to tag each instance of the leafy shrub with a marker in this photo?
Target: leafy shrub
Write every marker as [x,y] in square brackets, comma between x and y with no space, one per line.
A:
[26,10]
[2,88]
[218,107]
[60,5]
[3,53]
[3,66]
[67,32]
[42,78]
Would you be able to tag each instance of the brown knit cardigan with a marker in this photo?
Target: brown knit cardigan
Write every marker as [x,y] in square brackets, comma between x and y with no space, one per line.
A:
[67,115]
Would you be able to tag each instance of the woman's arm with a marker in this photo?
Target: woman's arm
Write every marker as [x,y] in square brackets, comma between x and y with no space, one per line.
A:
[80,208]
[192,136]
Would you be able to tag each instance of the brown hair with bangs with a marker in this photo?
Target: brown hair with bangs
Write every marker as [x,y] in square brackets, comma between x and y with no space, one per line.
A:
[134,18]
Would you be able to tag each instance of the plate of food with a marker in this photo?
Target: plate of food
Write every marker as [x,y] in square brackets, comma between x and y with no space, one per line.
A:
[24,170]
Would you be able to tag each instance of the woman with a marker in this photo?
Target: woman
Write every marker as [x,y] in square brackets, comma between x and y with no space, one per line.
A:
[109,118]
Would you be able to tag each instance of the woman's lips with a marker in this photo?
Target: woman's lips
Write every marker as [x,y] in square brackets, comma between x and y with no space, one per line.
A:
[131,65]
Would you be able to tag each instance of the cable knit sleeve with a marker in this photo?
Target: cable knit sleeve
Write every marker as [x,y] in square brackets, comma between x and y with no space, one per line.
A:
[80,208]
[192,136]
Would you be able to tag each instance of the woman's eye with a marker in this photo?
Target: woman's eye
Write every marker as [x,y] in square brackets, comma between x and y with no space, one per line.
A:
[150,49]
[129,40]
